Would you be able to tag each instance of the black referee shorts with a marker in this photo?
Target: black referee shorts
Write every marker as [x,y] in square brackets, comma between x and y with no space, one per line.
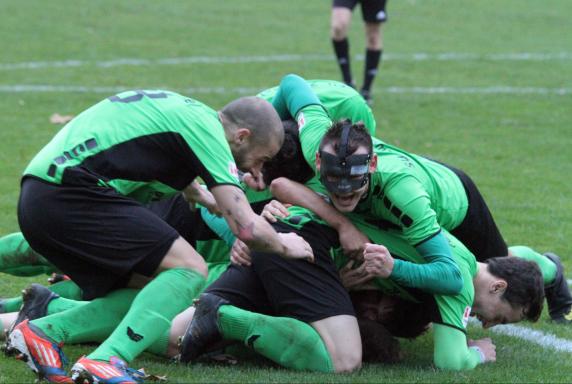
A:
[372,11]
[92,234]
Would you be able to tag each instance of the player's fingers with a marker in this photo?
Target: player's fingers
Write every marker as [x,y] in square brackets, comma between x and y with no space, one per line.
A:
[349,265]
[310,254]
[268,216]
[240,258]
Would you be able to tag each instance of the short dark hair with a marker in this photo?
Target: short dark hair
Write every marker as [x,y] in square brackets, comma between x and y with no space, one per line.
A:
[289,162]
[525,286]
[358,136]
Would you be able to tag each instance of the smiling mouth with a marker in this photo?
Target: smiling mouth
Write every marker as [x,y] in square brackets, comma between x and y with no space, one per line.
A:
[345,199]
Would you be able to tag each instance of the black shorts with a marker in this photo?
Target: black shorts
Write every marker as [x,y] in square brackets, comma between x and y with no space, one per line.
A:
[92,234]
[290,288]
[176,212]
[478,230]
[372,11]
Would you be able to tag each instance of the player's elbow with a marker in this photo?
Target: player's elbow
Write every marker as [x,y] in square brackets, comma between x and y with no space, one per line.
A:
[278,186]
[456,284]
[453,281]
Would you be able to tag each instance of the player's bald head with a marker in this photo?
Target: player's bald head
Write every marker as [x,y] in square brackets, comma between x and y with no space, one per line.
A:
[257,115]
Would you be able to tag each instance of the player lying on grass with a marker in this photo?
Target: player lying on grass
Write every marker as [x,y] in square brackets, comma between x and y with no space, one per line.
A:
[94,174]
[410,193]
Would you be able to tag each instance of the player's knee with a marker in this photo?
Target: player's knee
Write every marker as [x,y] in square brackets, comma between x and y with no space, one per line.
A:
[373,41]
[183,255]
[198,265]
[339,30]
[348,360]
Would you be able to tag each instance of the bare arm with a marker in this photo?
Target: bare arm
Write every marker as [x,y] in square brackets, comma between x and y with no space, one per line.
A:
[288,191]
[255,231]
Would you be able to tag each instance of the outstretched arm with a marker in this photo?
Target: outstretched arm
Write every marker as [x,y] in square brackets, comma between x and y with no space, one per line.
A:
[440,275]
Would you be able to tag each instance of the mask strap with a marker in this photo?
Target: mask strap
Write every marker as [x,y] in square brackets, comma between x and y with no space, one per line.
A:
[344,142]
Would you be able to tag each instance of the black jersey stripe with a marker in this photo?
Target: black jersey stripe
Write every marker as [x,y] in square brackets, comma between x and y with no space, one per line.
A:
[165,157]
[403,218]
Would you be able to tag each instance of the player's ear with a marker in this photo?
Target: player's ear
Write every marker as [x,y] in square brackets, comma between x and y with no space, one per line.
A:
[498,286]
[241,135]
[318,161]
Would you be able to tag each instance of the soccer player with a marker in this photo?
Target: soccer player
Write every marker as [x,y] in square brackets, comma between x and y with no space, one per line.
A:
[502,290]
[394,188]
[80,207]
[374,15]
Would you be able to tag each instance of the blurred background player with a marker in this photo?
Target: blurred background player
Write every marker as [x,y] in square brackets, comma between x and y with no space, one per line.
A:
[373,15]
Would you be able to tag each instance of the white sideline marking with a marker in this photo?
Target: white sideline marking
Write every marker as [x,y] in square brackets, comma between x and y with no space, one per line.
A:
[421,56]
[545,340]
[494,90]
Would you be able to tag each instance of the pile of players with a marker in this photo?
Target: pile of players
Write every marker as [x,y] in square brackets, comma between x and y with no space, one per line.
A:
[311,242]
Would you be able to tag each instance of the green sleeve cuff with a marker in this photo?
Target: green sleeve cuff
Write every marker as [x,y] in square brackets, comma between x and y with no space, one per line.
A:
[219,226]
[293,94]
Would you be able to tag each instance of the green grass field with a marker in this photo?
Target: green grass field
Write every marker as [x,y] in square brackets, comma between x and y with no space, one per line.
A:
[484,85]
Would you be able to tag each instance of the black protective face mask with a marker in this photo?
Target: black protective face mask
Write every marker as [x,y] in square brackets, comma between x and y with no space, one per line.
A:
[340,173]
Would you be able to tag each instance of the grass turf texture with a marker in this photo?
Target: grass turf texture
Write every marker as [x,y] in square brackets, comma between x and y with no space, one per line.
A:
[515,146]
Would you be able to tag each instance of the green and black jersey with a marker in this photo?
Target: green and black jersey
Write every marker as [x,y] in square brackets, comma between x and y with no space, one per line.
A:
[413,193]
[145,144]
[340,100]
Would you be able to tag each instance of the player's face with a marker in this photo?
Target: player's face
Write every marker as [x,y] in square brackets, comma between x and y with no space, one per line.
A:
[252,158]
[495,310]
[345,202]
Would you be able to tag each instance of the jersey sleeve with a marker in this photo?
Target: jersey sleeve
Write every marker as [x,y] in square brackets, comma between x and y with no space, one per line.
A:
[296,98]
[210,152]
[313,123]
[219,226]
[439,274]
[454,310]
[450,350]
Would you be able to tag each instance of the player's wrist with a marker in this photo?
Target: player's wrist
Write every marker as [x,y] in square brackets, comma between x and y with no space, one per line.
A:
[283,245]
[480,353]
